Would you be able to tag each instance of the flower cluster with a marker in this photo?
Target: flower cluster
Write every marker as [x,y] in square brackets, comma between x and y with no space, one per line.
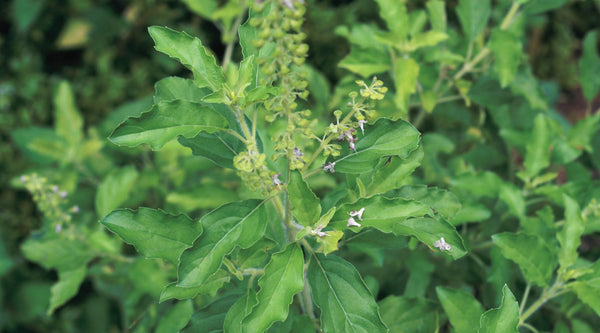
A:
[442,245]
[252,168]
[50,199]
[280,31]
[355,213]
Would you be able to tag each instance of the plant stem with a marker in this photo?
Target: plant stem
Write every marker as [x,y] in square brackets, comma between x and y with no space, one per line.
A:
[232,36]
[546,295]
[524,300]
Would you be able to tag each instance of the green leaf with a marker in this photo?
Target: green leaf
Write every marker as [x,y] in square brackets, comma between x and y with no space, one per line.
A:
[514,199]
[204,8]
[535,259]
[385,138]
[25,12]
[395,173]
[173,88]
[395,16]
[41,145]
[189,52]
[220,148]
[283,278]
[589,67]
[329,242]
[114,190]
[581,135]
[67,119]
[50,250]
[425,39]
[502,319]
[211,287]
[366,62]
[237,224]
[473,16]
[409,315]
[153,232]
[540,6]
[167,121]
[437,14]
[508,52]
[441,201]
[66,287]
[238,311]
[537,154]
[176,318]
[588,291]
[402,217]
[405,75]
[570,235]
[306,207]
[345,301]
[462,308]
[526,85]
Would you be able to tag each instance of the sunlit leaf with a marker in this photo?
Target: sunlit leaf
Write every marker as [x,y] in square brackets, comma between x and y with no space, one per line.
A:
[504,318]
[306,207]
[114,190]
[473,16]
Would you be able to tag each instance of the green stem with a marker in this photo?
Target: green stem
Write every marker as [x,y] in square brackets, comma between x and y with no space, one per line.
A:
[524,299]
[231,35]
[546,295]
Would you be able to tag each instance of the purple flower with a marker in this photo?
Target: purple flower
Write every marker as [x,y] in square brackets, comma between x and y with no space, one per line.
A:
[329,167]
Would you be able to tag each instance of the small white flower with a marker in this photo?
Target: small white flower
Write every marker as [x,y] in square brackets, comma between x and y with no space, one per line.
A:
[63,194]
[58,228]
[23,178]
[297,152]
[352,222]
[75,209]
[361,124]
[55,189]
[276,181]
[318,232]
[442,245]
[357,213]
[329,167]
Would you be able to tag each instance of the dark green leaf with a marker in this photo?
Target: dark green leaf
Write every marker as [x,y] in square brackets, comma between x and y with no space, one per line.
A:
[211,287]
[345,301]
[402,314]
[589,67]
[167,121]
[441,201]
[395,173]
[238,224]
[154,233]
[238,311]
[66,287]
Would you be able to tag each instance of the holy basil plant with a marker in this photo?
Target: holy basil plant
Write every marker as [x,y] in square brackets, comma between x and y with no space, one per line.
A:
[272,257]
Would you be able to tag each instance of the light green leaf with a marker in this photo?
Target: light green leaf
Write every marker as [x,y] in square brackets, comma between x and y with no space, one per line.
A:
[385,138]
[237,224]
[395,16]
[172,88]
[306,207]
[114,190]
[402,217]
[176,318]
[409,315]
[41,145]
[589,67]
[345,301]
[366,62]
[437,14]
[425,39]
[66,287]
[581,135]
[329,242]
[526,85]
[167,121]
[211,287]
[535,259]
[189,52]
[283,278]
[204,8]
[238,311]
[153,232]
[473,16]
[570,235]
[395,173]
[462,308]
[441,201]
[514,199]
[67,119]
[502,319]
[405,75]
[537,154]
[508,52]
[428,100]
[588,291]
